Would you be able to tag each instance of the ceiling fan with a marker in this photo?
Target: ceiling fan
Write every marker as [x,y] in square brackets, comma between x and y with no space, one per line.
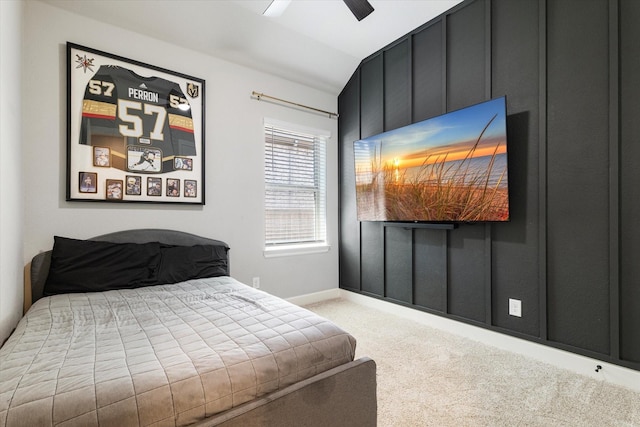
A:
[360,8]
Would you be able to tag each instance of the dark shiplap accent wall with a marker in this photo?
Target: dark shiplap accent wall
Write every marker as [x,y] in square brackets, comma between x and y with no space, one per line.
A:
[569,70]
[629,291]
[428,72]
[349,248]
[577,172]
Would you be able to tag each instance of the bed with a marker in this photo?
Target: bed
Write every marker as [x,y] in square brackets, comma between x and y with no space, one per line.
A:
[148,328]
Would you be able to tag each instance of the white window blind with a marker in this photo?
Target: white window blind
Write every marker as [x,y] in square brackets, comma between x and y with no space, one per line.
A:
[295,195]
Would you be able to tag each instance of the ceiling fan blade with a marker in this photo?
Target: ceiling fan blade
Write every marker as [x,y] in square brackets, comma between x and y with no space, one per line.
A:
[360,8]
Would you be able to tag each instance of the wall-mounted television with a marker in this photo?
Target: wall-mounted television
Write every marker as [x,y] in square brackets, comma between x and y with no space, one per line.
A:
[447,169]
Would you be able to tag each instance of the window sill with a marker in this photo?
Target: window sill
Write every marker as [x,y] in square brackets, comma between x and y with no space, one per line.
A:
[291,250]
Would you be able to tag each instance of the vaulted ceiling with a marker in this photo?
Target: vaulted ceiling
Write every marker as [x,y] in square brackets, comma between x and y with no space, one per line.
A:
[318,43]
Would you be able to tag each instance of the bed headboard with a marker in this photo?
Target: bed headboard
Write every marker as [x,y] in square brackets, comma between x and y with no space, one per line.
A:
[37,270]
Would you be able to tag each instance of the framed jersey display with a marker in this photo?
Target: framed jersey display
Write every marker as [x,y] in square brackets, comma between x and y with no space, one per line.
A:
[130,127]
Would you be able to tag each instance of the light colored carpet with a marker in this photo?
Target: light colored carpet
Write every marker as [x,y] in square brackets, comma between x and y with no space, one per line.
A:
[427,377]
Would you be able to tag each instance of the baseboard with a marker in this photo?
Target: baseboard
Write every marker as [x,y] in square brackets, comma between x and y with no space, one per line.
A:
[315,297]
[610,373]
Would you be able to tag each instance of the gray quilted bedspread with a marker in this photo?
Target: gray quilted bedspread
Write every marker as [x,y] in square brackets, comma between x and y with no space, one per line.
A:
[155,356]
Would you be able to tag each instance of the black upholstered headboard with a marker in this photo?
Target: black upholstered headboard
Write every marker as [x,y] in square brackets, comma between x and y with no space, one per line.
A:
[36,273]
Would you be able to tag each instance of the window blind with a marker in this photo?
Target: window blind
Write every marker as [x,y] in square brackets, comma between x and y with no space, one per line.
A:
[295,195]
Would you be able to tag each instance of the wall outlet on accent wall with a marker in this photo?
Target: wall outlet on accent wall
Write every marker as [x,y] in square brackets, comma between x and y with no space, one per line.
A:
[515,307]
[256,282]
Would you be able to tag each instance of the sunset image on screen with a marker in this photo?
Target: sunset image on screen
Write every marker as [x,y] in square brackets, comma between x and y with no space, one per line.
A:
[451,168]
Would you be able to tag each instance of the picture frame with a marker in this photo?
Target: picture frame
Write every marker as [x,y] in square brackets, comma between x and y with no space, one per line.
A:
[126,120]
[190,188]
[134,185]
[173,187]
[114,189]
[101,157]
[154,187]
[87,182]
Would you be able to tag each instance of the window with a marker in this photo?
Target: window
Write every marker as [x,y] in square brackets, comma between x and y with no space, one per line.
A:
[295,194]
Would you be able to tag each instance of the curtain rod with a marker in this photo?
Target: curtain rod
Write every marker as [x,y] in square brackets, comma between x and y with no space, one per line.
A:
[262,95]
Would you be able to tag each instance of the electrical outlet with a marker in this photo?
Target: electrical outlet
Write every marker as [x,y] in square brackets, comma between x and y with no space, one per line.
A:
[256,282]
[515,307]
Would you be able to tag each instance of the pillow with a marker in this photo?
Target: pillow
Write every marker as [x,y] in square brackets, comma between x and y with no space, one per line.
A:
[92,266]
[181,263]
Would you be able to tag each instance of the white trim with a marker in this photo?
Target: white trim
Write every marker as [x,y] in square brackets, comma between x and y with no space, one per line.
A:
[315,297]
[610,373]
[290,250]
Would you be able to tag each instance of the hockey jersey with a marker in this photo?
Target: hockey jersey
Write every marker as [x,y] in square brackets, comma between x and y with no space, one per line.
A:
[146,111]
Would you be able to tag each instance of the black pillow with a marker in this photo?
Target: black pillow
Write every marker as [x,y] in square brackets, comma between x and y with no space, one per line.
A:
[92,266]
[180,263]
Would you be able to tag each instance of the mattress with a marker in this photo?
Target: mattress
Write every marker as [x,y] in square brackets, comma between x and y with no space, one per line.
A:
[160,355]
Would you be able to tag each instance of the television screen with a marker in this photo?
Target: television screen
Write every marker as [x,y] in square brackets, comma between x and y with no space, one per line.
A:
[450,168]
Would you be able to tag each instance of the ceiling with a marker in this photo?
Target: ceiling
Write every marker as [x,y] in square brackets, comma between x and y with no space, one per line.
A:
[318,43]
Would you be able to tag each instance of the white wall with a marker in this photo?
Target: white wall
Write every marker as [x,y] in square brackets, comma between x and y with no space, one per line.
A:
[234,152]
[10,168]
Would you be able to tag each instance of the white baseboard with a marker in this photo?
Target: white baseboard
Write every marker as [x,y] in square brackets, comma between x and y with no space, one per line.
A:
[316,297]
[610,373]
